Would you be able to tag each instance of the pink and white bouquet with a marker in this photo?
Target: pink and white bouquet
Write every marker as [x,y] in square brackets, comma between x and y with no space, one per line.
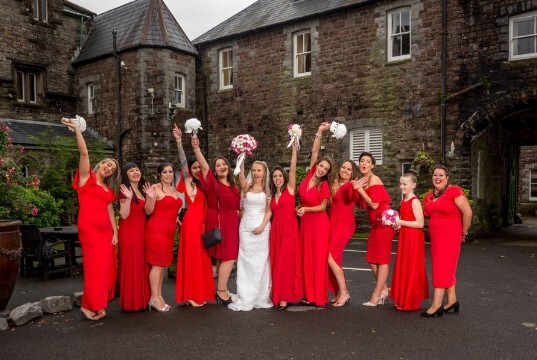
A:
[389,218]
[243,145]
[80,122]
[295,131]
[192,126]
[338,130]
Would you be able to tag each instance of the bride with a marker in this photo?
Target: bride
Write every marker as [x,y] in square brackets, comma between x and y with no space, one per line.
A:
[253,271]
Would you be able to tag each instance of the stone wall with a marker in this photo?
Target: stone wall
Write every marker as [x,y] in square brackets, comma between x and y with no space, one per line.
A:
[46,47]
[527,164]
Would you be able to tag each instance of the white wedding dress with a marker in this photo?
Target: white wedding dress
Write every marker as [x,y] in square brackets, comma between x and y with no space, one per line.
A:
[253,269]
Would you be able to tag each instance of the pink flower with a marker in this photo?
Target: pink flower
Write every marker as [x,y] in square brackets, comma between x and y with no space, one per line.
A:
[35,211]
[22,150]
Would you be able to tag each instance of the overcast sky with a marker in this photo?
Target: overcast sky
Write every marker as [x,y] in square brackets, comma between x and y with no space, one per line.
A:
[195,16]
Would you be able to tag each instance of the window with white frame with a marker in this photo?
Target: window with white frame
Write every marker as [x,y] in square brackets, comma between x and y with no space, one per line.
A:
[27,85]
[179,90]
[405,167]
[523,36]
[366,139]
[225,66]
[92,104]
[533,184]
[399,34]
[41,10]
[302,53]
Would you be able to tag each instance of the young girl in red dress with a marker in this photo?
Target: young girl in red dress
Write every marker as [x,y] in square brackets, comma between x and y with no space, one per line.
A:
[133,281]
[314,194]
[375,198]
[97,228]
[409,280]
[194,280]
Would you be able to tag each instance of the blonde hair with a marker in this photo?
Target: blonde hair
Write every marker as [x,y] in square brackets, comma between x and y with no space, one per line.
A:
[111,181]
[264,180]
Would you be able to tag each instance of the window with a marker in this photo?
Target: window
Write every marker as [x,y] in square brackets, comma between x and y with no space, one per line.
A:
[399,34]
[523,36]
[302,53]
[405,167]
[533,185]
[179,91]
[366,139]
[41,10]
[92,104]
[27,85]
[225,64]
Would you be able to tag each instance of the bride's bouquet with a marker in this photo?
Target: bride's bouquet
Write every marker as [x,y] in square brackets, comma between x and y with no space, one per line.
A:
[243,145]
[389,218]
[79,121]
[192,126]
[338,130]
[295,131]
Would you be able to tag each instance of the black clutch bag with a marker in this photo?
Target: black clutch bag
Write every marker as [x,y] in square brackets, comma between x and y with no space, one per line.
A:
[211,237]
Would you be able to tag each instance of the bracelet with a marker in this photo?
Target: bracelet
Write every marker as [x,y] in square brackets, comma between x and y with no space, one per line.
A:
[319,135]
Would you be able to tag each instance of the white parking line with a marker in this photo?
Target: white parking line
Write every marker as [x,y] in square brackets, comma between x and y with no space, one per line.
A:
[356,269]
[361,251]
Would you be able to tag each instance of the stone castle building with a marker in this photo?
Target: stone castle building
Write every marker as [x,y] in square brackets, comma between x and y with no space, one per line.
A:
[454,81]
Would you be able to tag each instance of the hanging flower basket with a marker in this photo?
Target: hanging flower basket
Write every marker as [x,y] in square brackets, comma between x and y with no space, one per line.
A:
[422,160]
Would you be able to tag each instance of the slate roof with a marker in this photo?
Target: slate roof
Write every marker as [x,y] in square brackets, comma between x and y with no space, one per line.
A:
[27,133]
[140,23]
[266,13]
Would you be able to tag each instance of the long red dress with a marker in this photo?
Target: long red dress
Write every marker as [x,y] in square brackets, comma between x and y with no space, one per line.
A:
[285,254]
[445,231]
[134,290]
[314,227]
[379,241]
[95,233]
[409,280]
[228,248]
[342,226]
[194,280]
[160,231]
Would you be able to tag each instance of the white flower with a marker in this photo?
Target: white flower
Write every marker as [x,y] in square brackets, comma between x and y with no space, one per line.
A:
[192,126]
[80,122]
[338,130]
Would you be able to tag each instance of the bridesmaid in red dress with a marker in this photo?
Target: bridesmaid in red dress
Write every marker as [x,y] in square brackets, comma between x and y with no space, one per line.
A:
[375,198]
[409,281]
[97,229]
[194,280]
[314,194]
[162,203]
[133,281]
[450,216]
[223,204]
[342,227]
[285,261]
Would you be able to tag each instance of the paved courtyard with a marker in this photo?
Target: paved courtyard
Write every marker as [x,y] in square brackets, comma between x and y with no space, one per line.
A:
[498,320]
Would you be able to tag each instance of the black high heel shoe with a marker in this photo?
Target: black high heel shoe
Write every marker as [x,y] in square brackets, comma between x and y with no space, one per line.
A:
[219,300]
[455,306]
[439,312]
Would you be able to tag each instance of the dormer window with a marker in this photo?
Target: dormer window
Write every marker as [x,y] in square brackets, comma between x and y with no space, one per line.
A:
[41,10]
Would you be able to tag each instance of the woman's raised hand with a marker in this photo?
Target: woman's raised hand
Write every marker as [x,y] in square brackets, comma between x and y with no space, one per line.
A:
[359,183]
[195,142]
[127,192]
[176,132]
[149,191]
[324,126]
[69,123]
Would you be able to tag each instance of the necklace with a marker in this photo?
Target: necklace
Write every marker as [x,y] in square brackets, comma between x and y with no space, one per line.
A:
[438,193]
[164,191]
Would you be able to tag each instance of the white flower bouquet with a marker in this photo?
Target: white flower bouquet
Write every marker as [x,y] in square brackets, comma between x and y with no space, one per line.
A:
[243,145]
[79,121]
[192,126]
[295,131]
[338,130]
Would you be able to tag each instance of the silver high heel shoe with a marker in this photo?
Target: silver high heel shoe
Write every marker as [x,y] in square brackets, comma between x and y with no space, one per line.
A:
[153,304]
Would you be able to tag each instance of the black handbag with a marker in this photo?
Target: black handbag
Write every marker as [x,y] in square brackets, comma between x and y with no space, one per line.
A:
[214,236]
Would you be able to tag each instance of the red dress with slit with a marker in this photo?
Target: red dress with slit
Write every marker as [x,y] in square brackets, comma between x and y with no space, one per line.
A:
[95,232]
[314,227]
[409,280]
[342,226]
[134,290]
[285,254]
[194,280]
[445,230]
[229,205]
[379,241]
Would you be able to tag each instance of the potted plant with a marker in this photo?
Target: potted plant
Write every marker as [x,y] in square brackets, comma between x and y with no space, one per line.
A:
[422,160]
[533,205]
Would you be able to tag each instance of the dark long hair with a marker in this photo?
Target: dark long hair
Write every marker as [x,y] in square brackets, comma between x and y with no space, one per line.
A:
[191,162]
[329,174]
[335,177]
[285,179]
[125,180]
[230,177]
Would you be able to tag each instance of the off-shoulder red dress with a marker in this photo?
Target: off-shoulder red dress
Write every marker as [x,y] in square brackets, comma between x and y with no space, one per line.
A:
[95,232]
[314,227]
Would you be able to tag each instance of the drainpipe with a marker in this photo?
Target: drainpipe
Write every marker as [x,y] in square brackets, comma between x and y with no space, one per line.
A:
[443,99]
[119,121]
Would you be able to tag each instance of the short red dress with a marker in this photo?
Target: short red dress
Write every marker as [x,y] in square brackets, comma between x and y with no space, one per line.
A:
[160,231]
[314,227]
[409,280]
[230,199]
[342,226]
[379,241]
[134,290]
[194,280]
[445,231]
[285,254]
[95,232]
